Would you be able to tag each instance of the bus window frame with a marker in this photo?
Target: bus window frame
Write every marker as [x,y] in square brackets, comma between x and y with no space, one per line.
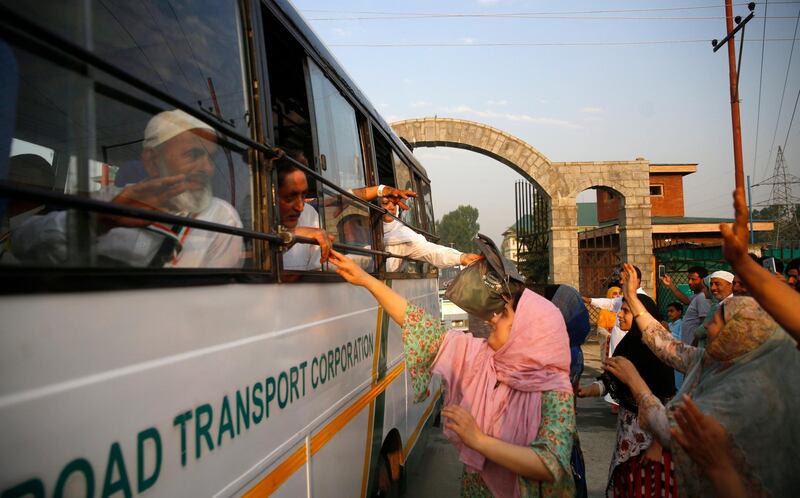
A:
[259,95]
[367,161]
[371,177]
[417,221]
[392,154]
[428,206]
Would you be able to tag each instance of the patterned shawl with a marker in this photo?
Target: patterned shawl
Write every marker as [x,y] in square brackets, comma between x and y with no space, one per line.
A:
[749,380]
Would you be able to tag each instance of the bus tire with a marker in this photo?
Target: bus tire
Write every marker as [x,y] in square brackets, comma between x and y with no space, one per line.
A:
[390,471]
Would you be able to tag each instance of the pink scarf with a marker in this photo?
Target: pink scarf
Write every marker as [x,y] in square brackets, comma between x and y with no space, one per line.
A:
[535,359]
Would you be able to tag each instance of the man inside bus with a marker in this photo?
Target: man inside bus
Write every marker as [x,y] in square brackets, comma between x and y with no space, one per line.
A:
[30,170]
[297,216]
[177,154]
[302,219]
[403,241]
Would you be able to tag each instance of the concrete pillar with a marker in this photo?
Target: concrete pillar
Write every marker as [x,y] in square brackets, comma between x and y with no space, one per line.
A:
[564,242]
[636,239]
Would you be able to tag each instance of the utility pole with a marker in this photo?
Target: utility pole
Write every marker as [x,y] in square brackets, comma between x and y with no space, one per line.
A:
[733,74]
[750,211]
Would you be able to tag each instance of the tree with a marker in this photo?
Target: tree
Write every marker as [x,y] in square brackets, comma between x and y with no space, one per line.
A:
[458,229]
[785,224]
[533,257]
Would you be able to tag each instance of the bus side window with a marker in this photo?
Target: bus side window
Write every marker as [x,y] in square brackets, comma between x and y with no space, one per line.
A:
[291,117]
[192,51]
[112,151]
[404,181]
[427,221]
[384,157]
[340,160]
[424,194]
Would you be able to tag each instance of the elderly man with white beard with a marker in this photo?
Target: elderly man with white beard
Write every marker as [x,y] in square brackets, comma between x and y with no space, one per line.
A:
[177,155]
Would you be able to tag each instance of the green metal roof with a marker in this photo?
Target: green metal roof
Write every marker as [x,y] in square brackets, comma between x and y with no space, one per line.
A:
[587,214]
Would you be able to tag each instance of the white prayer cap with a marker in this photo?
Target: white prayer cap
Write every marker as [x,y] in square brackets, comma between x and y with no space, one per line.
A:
[169,124]
[724,275]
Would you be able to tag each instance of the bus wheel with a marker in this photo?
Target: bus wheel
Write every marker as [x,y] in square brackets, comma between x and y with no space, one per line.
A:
[389,476]
[390,482]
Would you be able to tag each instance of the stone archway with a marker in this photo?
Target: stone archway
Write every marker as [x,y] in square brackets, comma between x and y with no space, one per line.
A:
[561,181]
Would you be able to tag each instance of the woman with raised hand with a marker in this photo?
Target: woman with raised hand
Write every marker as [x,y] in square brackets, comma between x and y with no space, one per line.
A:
[780,300]
[746,379]
[635,449]
[508,398]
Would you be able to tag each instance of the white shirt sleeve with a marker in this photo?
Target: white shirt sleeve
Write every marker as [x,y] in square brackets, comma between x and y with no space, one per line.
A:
[41,239]
[439,256]
[225,250]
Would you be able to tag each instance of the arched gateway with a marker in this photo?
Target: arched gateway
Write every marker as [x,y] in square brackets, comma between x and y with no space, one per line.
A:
[561,181]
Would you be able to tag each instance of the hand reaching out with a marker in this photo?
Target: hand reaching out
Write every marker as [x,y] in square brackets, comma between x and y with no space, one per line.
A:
[153,194]
[468,258]
[629,280]
[734,236]
[624,370]
[348,269]
[323,238]
[778,299]
[702,436]
[462,423]
[397,196]
[653,453]
[588,391]
[708,443]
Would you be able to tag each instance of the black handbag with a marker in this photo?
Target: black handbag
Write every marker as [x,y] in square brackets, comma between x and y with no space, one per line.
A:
[484,287]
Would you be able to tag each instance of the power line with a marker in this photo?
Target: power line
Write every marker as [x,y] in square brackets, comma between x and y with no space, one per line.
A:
[791,120]
[783,92]
[539,44]
[517,14]
[760,80]
[530,16]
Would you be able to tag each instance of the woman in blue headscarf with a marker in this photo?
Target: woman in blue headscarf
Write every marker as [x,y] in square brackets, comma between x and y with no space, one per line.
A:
[576,317]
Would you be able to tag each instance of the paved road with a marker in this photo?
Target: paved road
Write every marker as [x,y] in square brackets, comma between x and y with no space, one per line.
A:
[440,473]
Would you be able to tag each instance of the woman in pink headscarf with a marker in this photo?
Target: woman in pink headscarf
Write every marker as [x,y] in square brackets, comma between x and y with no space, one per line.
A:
[508,398]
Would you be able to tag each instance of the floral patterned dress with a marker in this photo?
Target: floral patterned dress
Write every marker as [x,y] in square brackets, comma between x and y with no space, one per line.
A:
[422,337]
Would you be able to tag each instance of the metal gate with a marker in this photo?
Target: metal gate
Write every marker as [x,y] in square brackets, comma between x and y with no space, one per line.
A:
[532,231]
[598,260]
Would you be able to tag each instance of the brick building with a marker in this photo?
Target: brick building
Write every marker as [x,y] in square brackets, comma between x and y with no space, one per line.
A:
[670,225]
[599,245]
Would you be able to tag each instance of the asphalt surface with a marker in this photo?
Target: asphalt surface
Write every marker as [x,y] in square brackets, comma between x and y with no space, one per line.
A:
[439,475]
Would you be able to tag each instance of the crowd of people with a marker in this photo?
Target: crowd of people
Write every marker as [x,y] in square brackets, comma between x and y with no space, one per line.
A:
[706,397]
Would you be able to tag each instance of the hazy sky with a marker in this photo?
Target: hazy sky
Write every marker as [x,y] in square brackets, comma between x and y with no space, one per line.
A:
[596,99]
